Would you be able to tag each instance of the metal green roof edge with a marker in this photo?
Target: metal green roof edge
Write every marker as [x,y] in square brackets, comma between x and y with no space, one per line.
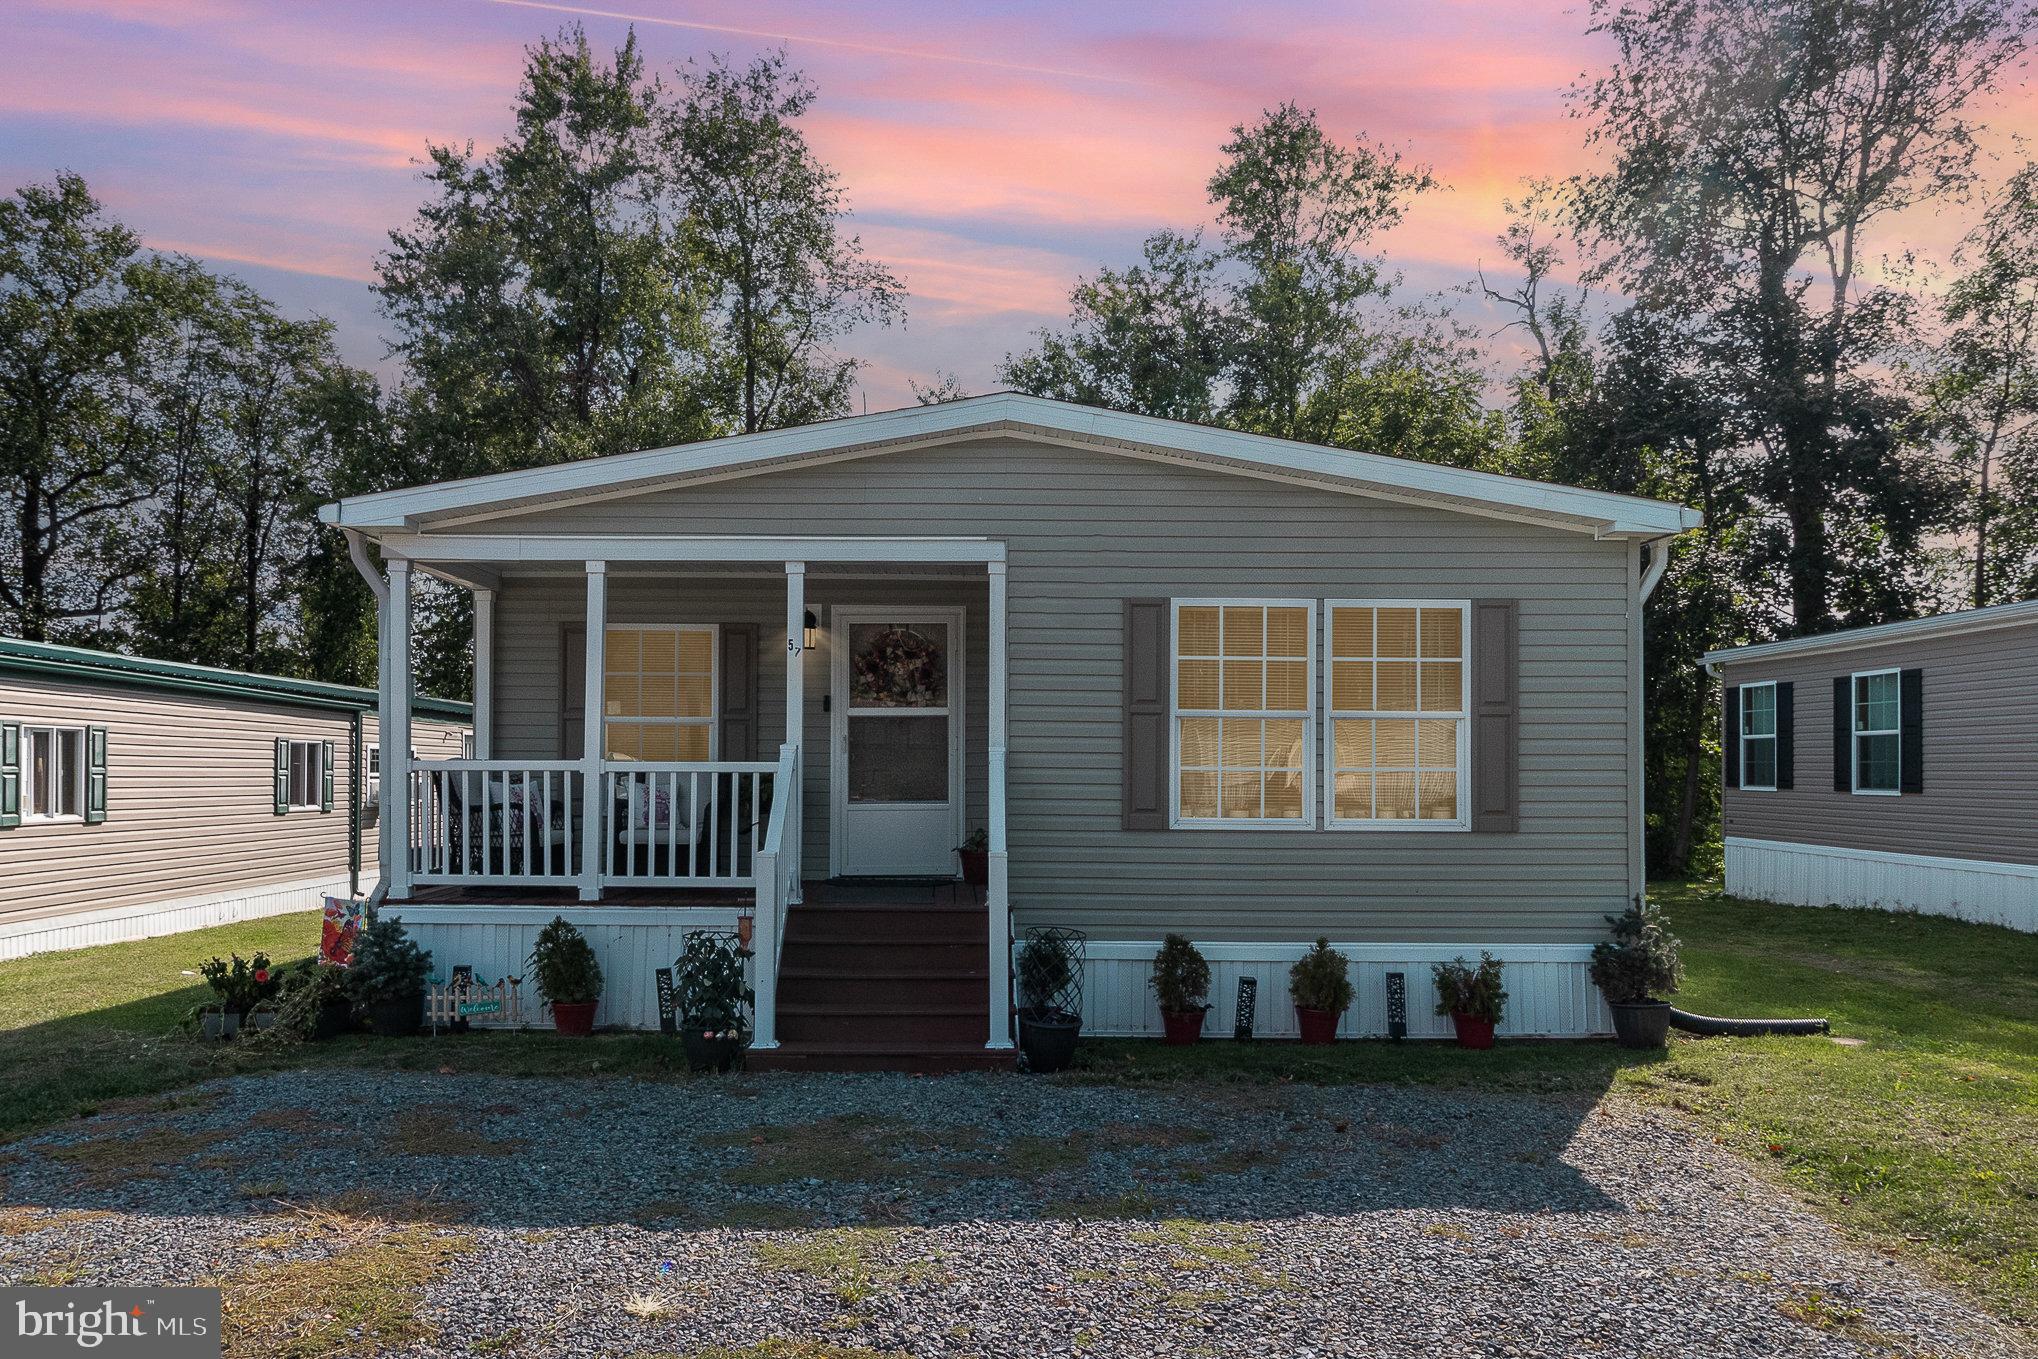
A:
[50,658]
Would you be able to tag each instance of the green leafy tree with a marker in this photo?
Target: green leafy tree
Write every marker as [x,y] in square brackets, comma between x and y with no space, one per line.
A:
[544,302]
[86,318]
[1751,151]
[782,280]
[1151,339]
[1984,391]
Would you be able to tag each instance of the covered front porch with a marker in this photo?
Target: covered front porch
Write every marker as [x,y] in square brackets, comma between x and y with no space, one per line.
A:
[769,715]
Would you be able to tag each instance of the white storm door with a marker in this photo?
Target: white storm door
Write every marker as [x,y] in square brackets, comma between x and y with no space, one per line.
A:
[896,696]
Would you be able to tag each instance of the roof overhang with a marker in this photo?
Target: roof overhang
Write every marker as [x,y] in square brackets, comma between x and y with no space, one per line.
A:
[456,503]
[1882,634]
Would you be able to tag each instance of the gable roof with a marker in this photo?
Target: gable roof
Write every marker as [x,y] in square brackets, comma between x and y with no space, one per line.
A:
[1601,513]
[1883,634]
[48,659]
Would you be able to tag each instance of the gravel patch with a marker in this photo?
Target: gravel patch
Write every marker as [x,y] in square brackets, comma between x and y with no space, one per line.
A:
[968,1215]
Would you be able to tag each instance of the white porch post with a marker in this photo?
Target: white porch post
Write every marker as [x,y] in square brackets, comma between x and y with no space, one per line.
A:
[484,674]
[395,733]
[997,899]
[594,850]
[795,650]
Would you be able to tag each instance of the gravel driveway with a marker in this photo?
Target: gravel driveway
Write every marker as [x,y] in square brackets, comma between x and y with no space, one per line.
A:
[968,1215]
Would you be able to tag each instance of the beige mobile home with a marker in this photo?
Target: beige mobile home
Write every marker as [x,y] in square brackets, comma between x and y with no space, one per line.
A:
[144,797]
[1182,679]
[1888,766]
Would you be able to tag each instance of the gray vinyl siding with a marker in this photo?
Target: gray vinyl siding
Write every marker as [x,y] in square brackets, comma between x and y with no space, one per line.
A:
[1086,530]
[533,614]
[190,799]
[1981,753]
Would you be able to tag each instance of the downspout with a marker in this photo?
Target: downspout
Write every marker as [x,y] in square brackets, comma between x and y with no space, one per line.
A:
[1659,561]
[357,552]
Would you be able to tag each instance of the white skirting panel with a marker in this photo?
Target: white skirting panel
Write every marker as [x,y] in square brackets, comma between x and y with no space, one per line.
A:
[84,929]
[630,942]
[1823,875]
[1549,993]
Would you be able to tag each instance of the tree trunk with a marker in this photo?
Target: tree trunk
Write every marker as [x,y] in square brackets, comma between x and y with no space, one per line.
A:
[1694,756]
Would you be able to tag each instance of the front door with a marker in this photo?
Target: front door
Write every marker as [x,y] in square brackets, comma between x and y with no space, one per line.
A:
[896,696]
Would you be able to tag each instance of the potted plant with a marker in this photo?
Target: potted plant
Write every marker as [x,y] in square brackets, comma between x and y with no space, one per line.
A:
[568,976]
[314,1003]
[1320,984]
[239,987]
[387,977]
[1181,983]
[1633,970]
[975,854]
[1050,968]
[1473,997]
[708,986]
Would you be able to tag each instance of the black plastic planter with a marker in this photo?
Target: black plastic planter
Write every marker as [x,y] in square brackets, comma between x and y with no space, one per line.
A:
[1643,1024]
[398,1018]
[710,1054]
[1049,1041]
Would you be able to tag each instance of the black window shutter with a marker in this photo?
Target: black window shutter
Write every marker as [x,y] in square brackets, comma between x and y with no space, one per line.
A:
[10,775]
[1730,738]
[1911,732]
[1786,734]
[1496,715]
[325,767]
[1148,645]
[1843,735]
[95,775]
[282,776]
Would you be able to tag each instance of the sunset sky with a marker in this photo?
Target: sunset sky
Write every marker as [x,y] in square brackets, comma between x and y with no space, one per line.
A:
[992,150]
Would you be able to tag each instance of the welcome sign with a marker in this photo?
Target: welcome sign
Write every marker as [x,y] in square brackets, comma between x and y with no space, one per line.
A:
[118,1323]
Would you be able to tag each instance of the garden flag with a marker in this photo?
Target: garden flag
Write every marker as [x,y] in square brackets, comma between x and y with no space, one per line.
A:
[344,917]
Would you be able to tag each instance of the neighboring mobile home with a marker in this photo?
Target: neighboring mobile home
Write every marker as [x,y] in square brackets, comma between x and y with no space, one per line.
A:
[1892,766]
[143,797]
[1183,679]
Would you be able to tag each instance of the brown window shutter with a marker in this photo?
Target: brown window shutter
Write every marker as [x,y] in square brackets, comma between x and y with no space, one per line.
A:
[572,681]
[738,717]
[1496,704]
[1148,640]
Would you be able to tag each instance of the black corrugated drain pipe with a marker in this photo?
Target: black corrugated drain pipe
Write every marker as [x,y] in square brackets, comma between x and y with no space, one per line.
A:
[1710,1026]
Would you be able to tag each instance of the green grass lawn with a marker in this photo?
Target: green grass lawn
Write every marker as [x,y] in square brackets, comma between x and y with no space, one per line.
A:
[1923,1136]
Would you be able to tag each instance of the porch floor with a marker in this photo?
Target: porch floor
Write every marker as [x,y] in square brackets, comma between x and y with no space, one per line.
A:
[832,892]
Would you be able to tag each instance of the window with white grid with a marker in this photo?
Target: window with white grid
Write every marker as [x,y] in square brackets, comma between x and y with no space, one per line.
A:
[1244,700]
[1397,750]
[658,693]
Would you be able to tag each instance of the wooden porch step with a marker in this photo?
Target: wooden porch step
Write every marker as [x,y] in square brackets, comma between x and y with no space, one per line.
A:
[900,1022]
[886,924]
[830,986]
[923,1058]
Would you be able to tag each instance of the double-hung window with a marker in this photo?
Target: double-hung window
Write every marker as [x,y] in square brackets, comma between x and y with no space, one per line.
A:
[658,693]
[1877,709]
[55,784]
[1244,712]
[1758,737]
[307,776]
[1398,748]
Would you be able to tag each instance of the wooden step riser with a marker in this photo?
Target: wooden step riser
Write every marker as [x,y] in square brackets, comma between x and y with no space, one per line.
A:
[890,935]
[854,992]
[862,959]
[895,1030]
[926,1064]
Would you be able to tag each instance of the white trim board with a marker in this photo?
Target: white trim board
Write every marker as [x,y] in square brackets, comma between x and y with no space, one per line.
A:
[1979,890]
[153,919]
[1598,512]
[1550,990]
[1883,634]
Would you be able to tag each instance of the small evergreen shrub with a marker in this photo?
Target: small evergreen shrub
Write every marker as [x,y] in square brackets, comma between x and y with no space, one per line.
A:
[388,965]
[564,965]
[1321,980]
[1181,979]
[1641,962]
[1475,992]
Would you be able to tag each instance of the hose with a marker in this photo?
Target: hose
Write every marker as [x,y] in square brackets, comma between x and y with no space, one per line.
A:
[1712,1027]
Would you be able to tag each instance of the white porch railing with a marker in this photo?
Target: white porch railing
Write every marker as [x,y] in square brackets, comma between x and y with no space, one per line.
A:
[685,825]
[520,822]
[494,822]
[778,887]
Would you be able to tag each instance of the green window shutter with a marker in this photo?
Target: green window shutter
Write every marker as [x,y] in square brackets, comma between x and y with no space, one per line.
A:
[325,795]
[10,775]
[282,776]
[95,775]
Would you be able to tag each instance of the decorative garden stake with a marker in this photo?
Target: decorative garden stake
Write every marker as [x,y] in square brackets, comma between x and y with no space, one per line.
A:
[1397,1005]
[1248,1003]
[668,1019]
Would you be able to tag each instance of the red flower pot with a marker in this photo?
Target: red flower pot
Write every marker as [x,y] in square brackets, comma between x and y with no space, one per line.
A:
[574,1019]
[976,866]
[1319,1027]
[1182,1029]
[1473,1033]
